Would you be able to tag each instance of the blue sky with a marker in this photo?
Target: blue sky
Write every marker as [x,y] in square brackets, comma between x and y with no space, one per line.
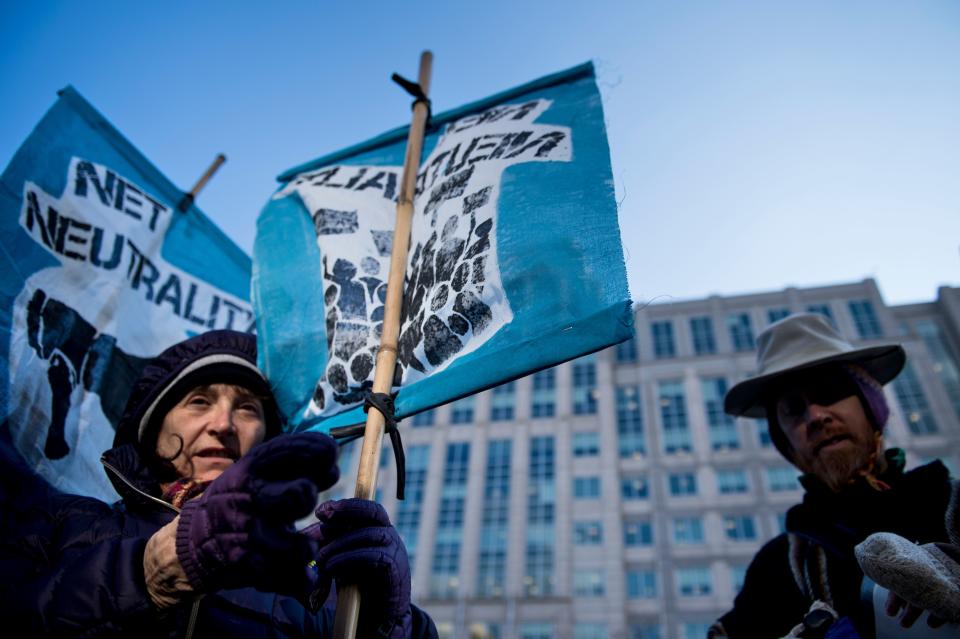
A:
[755,145]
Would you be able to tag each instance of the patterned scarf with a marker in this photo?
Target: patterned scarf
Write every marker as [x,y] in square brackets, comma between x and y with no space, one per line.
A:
[182,490]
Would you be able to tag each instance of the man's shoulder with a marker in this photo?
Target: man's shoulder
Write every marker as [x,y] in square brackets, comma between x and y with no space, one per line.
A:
[929,483]
[774,550]
[934,470]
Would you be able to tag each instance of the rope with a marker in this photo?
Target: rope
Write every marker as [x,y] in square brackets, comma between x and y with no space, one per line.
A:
[383,403]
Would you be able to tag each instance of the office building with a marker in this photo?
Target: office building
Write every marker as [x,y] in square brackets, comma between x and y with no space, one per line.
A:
[610,497]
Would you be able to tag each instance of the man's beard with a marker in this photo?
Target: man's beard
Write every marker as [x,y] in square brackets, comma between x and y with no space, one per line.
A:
[839,468]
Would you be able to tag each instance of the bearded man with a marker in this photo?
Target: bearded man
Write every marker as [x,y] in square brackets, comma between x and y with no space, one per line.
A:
[825,408]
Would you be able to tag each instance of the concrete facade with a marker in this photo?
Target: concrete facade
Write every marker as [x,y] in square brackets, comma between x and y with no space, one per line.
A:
[614,503]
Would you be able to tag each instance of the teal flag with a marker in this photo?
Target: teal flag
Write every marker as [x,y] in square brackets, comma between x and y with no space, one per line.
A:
[515,259]
[100,272]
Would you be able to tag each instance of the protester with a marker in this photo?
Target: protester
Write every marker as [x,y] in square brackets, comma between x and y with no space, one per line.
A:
[202,542]
[826,412]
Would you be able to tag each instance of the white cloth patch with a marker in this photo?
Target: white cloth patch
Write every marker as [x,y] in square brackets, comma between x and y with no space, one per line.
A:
[454,299]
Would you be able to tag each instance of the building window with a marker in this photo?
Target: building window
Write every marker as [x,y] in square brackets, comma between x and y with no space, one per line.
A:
[694,582]
[586,444]
[536,631]
[644,631]
[492,565]
[916,410]
[461,411]
[424,419]
[590,631]
[738,574]
[781,523]
[637,533]
[688,530]
[444,583]
[543,400]
[944,362]
[732,481]
[501,402]
[696,629]
[822,309]
[663,345]
[480,630]
[673,414]
[587,533]
[741,332]
[586,487]
[445,578]
[538,580]
[585,385]
[864,318]
[782,479]
[588,583]
[626,352]
[683,484]
[763,433]
[407,521]
[739,528]
[634,487]
[722,427]
[701,328]
[776,314]
[630,422]
[641,584]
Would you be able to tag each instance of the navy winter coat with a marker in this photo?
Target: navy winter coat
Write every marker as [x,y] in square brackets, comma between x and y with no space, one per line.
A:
[772,602]
[72,566]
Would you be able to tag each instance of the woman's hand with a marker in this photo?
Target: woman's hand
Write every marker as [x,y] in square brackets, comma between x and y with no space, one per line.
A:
[240,531]
[166,581]
[358,545]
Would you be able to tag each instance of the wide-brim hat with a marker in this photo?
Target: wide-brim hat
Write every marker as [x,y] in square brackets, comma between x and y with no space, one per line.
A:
[798,343]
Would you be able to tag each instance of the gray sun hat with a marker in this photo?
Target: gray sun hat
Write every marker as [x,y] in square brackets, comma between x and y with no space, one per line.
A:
[800,342]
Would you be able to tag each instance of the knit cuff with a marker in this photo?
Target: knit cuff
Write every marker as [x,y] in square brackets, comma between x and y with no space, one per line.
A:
[186,552]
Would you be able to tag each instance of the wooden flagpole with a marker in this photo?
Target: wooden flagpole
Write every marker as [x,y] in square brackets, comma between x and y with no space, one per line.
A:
[348,597]
[188,198]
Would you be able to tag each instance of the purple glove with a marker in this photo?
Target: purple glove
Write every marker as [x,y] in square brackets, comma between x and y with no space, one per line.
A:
[240,531]
[358,545]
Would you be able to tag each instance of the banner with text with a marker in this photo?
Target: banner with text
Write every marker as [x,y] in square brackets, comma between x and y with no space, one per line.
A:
[101,272]
[515,260]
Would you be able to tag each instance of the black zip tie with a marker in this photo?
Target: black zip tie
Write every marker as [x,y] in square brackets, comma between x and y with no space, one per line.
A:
[185,202]
[383,403]
[414,89]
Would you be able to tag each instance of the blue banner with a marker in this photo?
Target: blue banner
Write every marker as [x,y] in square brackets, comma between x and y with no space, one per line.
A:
[515,260]
[100,273]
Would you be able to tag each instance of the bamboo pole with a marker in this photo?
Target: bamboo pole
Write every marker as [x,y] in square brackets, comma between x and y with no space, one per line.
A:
[188,198]
[348,597]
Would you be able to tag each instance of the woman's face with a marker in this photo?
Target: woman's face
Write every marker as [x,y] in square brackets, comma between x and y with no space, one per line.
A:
[211,427]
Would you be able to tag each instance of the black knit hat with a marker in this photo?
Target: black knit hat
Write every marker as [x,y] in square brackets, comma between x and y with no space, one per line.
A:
[216,357]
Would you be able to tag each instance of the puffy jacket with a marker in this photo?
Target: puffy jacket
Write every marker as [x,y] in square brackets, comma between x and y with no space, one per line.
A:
[72,566]
[821,534]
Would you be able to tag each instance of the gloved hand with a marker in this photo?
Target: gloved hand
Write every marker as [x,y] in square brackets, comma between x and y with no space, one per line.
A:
[240,531]
[358,545]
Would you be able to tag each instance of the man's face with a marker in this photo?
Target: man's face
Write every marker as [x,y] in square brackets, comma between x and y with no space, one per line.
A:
[211,427]
[825,423]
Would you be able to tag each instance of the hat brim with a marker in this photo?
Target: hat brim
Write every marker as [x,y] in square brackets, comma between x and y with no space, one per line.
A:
[748,398]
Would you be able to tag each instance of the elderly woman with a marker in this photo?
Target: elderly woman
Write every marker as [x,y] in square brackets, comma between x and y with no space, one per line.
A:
[202,542]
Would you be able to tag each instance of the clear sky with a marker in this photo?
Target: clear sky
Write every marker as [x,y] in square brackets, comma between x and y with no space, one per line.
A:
[755,145]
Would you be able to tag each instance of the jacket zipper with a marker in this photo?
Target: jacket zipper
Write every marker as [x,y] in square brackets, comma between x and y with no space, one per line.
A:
[196,604]
[126,481]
